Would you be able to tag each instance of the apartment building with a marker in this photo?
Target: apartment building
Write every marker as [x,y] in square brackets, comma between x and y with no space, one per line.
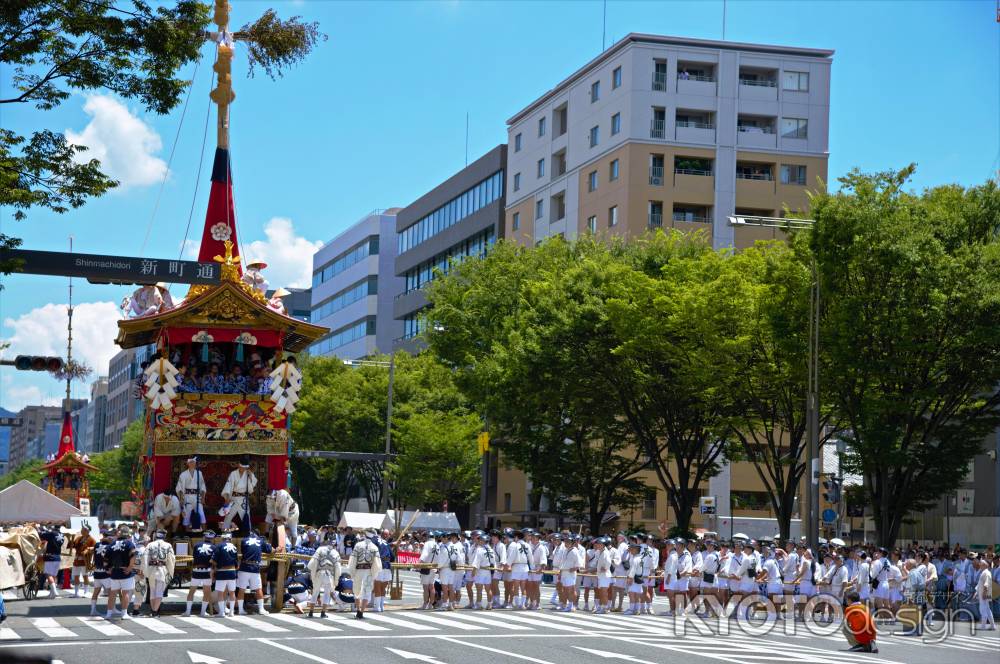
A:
[33,420]
[668,132]
[123,404]
[459,218]
[353,287]
[94,417]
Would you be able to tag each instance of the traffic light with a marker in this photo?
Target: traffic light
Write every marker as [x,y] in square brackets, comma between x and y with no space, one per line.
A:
[483,440]
[832,490]
[38,363]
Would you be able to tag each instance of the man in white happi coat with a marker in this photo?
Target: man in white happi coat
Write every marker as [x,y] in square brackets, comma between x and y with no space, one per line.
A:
[282,508]
[364,568]
[166,513]
[158,568]
[191,491]
[239,486]
[324,570]
[253,277]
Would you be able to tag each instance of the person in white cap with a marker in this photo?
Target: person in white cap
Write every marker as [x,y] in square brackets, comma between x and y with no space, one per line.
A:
[282,509]
[239,486]
[149,299]
[275,302]
[191,490]
[166,513]
[253,277]
[158,562]
[364,567]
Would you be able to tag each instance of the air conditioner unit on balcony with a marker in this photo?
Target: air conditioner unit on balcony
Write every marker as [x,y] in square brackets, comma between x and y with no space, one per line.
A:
[656,181]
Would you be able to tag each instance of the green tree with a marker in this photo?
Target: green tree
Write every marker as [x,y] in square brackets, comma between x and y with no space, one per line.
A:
[911,300]
[533,358]
[53,48]
[27,470]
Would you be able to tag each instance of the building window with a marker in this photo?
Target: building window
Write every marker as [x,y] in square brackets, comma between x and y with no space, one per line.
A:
[616,78]
[612,216]
[794,128]
[595,136]
[595,91]
[345,260]
[484,193]
[539,209]
[517,142]
[517,181]
[613,170]
[649,505]
[795,80]
[592,181]
[541,126]
[592,224]
[616,123]
[793,174]
[541,167]
[515,223]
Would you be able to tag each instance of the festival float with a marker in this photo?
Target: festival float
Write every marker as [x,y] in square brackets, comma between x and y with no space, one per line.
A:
[223,383]
[67,473]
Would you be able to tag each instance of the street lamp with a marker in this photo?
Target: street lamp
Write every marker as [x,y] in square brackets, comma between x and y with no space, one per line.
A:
[391,364]
[812,391]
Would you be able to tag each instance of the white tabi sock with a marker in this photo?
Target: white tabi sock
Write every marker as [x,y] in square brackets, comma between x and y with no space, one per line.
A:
[204,608]
[222,608]
[239,603]
[189,603]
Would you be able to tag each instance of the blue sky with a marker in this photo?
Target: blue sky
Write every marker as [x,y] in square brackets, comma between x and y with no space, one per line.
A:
[376,117]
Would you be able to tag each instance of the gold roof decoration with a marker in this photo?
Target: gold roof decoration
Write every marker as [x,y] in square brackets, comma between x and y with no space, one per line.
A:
[231,304]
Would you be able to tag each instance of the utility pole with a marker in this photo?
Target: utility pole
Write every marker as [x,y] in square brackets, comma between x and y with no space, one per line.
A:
[69,336]
[388,433]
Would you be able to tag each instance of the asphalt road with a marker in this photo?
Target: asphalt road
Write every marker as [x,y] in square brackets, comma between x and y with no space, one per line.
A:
[60,631]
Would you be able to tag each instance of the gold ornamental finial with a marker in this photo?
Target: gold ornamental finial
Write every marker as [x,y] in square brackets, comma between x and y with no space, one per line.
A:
[229,271]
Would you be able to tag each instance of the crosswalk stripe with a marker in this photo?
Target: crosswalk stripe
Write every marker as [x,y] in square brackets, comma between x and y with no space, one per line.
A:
[616,623]
[378,617]
[158,626]
[213,625]
[103,626]
[7,634]
[443,621]
[541,622]
[49,627]
[257,624]
[498,621]
[313,624]
[363,625]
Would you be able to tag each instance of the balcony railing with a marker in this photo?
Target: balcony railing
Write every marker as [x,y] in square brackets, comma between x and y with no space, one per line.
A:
[762,83]
[795,133]
[658,129]
[692,171]
[754,176]
[754,129]
[687,216]
[656,175]
[695,125]
[660,81]
[655,220]
[688,77]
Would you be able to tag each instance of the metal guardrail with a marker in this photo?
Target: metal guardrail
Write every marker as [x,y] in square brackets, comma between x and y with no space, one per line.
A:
[754,176]
[655,220]
[658,129]
[695,125]
[753,129]
[660,81]
[681,216]
[689,77]
[691,171]
[656,175]
[761,84]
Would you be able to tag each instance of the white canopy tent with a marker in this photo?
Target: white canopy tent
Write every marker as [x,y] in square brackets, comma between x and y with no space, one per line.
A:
[424,521]
[360,520]
[26,503]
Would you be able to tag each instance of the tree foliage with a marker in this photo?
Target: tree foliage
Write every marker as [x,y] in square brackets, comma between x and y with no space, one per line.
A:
[911,300]
[53,48]
[433,431]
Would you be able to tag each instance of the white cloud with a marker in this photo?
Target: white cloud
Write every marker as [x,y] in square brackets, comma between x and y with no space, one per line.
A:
[42,331]
[123,143]
[288,256]
[190,250]
[16,397]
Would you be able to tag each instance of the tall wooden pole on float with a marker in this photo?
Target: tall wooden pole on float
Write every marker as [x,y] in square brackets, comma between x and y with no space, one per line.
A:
[223,94]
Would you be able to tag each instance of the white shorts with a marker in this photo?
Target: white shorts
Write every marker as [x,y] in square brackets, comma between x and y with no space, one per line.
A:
[882,592]
[679,585]
[121,584]
[588,582]
[650,582]
[807,589]
[199,583]
[100,583]
[51,567]
[248,580]
[157,589]
[603,581]
[865,592]
[506,576]
[635,588]
[447,577]
[775,589]
[483,577]
[518,575]
[534,578]
[721,584]
[497,576]
[385,576]
[427,579]
[222,586]
[694,583]
[567,579]
[79,571]
[895,596]
[470,576]
[300,598]
[621,582]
